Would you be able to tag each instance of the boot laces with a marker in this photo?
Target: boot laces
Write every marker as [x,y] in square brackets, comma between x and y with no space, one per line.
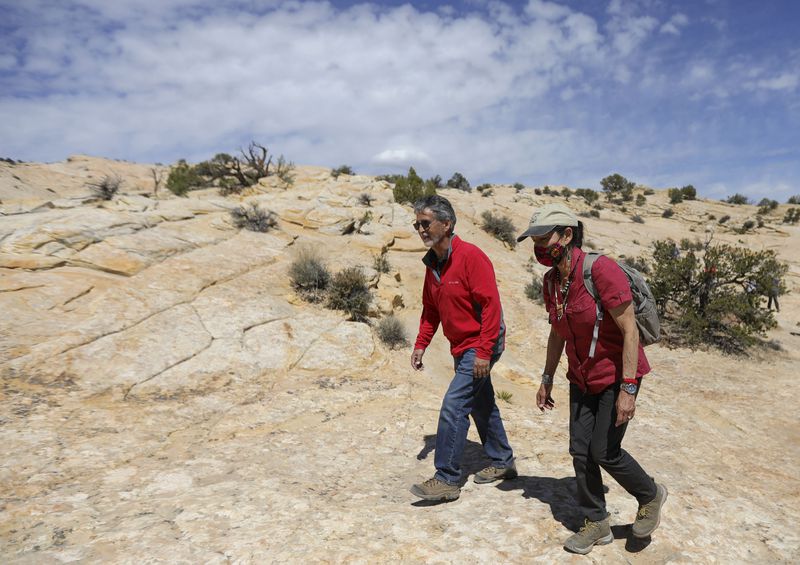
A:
[588,525]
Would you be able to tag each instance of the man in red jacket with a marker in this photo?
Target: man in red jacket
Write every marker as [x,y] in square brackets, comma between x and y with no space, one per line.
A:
[460,293]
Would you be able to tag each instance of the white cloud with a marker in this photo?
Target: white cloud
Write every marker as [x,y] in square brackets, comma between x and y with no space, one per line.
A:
[675,23]
[406,157]
[549,11]
[785,81]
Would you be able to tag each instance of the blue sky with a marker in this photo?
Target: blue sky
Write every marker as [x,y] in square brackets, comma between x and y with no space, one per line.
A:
[667,93]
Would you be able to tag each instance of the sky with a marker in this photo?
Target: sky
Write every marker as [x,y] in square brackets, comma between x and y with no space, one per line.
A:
[665,92]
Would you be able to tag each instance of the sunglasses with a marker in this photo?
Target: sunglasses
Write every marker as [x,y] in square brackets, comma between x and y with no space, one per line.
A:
[424,223]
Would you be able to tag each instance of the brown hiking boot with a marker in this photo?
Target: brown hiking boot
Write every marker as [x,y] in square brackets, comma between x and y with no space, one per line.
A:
[649,515]
[590,534]
[492,473]
[434,489]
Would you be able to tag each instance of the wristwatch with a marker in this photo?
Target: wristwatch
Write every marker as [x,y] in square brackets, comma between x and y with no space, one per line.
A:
[630,388]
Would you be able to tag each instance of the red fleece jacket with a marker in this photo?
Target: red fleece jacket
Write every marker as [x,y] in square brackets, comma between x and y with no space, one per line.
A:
[464,298]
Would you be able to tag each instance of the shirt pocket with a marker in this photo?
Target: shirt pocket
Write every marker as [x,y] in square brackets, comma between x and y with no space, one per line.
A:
[582,312]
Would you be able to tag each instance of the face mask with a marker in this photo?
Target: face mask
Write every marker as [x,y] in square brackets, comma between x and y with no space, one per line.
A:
[549,256]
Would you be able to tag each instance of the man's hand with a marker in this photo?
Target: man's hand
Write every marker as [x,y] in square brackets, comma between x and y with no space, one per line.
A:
[416,359]
[480,369]
[626,406]
[543,398]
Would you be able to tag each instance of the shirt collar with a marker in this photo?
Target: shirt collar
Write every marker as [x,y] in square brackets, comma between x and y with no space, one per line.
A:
[432,261]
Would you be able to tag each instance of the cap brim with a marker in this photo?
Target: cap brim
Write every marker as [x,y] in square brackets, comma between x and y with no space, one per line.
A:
[536,231]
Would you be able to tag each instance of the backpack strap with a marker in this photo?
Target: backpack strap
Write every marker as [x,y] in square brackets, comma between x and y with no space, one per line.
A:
[588,262]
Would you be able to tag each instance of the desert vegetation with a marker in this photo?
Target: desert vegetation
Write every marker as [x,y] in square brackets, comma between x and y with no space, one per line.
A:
[231,174]
[617,188]
[459,181]
[254,218]
[500,227]
[106,188]
[703,298]
[392,333]
[407,189]
[342,170]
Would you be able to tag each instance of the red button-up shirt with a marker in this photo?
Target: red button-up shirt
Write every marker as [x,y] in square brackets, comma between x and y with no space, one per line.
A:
[577,325]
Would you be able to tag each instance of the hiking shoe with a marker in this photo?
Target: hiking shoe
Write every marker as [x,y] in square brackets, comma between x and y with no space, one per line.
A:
[590,534]
[649,515]
[492,473]
[434,489]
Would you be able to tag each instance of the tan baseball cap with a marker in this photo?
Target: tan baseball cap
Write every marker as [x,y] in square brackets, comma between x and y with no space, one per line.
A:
[547,218]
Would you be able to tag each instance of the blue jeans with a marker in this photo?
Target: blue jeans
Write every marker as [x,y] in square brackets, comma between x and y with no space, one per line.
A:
[466,396]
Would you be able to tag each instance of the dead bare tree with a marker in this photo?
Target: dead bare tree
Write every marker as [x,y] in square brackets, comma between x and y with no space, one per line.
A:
[256,159]
[158,177]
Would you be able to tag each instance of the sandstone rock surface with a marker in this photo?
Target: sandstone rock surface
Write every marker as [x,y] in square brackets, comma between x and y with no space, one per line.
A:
[166,396]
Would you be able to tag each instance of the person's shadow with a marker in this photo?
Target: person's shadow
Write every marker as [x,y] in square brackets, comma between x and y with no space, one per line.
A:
[559,494]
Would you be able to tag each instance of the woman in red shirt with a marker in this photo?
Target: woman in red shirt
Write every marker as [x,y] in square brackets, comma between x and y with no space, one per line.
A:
[603,384]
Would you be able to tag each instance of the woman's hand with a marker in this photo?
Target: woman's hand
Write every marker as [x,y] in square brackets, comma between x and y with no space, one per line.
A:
[543,398]
[626,406]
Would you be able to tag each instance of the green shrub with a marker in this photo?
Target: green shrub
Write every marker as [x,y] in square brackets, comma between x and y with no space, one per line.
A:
[689,245]
[766,206]
[794,199]
[500,227]
[675,195]
[381,263]
[459,182]
[738,199]
[566,192]
[183,178]
[342,170]
[533,290]
[504,395]
[617,186]
[519,187]
[701,295]
[689,192]
[641,200]
[668,213]
[435,181]
[746,226]
[537,191]
[410,188]
[587,194]
[648,192]
[485,189]
[546,189]
[637,219]
[712,217]
[254,218]
[309,276]
[366,199]
[348,291]
[107,187]
[638,263]
[792,216]
[724,219]
[392,333]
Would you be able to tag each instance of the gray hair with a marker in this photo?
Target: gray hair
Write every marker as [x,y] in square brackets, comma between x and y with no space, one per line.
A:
[440,207]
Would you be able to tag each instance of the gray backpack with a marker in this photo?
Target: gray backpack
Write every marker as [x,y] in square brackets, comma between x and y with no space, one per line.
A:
[643,302]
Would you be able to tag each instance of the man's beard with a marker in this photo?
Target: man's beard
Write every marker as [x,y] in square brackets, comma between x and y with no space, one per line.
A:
[431,242]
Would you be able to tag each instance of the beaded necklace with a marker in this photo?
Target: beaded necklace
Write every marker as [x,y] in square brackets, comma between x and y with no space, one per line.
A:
[562,307]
